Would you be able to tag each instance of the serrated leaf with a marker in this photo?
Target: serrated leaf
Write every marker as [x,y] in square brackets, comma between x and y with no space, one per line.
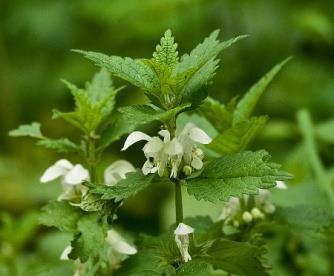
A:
[235,175]
[154,257]
[32,130]
[238,258]
[304,217]
[166,52]
[246,105]
[219,115]
[92,105]
[134,71]
[63,145]
[91,240]
[198,267]
[238,137]
[133,116]
[204,52]
[60,214]
[130,186]
[195,90]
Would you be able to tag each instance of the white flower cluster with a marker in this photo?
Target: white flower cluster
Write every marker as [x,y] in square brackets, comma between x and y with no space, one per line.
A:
[72,176]
[238,212]
[179,152]
[118,250]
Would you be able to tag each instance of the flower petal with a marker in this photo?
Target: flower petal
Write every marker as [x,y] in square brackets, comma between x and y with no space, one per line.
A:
[173,148]
[119,244]
[117,171]
[281,185]
[77,175]
[165,134]
[135,137]
[153,147]
[197,163]
[183,229]
[64,254]
[198,135]
[64,164]
[52,173]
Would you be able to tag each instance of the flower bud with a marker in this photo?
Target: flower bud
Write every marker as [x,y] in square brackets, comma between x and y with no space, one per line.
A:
[236,223]
[257,214]
[187,170]
[247,217]
[199,153]
[269,208]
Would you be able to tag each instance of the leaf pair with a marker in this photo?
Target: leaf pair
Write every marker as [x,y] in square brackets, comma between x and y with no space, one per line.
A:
[167,80]
[234,122]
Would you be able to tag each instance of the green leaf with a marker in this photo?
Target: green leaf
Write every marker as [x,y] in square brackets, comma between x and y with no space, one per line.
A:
[154,257]
[32,130]
[219,115]
[238,258]
[247,103]
[133,116]
[134,71]
[130,186]
[59,145]
[91,240]
[235,175]
[238,137]
[198,267]
[166,53]
[92,105]
[60,214]
[304,217]
[204,52]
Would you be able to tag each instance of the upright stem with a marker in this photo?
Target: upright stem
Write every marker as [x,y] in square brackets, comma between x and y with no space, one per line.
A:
[178,202]
[91,157]
[171,126]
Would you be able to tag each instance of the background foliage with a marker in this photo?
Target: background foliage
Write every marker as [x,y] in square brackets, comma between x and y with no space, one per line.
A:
[35,39]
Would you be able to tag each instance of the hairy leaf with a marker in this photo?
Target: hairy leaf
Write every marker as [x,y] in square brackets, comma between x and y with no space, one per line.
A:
[219,115]
[91,240]
[238,137]
[235,175]
[60,214]
[166,53]
[304,217]
[32,130]
[59,145]
[134,71]
[130,186]
[247,103]
[238,258]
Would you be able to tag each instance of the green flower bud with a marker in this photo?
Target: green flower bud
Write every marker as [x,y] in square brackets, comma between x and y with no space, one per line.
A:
[187,170]
[269,208]
[257,214]
[247,217]
[236,223]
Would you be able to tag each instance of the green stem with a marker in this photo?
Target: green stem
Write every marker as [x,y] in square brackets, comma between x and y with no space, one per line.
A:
[178,202]
[91,157]
[307,129]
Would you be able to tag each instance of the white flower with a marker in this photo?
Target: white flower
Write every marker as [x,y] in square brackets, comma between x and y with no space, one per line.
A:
[72,177]
[117,171]
[182,233]
[79,268]
[119,249]
[119,244]
[167,153]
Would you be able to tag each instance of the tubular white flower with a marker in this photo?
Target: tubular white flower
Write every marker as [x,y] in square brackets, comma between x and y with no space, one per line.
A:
[119,244]
[117,171]
[182,233]
[281,185]
[65,253]
[71,178]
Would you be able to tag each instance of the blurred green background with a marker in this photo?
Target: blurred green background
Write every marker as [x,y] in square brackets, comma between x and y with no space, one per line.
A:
[35,41]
